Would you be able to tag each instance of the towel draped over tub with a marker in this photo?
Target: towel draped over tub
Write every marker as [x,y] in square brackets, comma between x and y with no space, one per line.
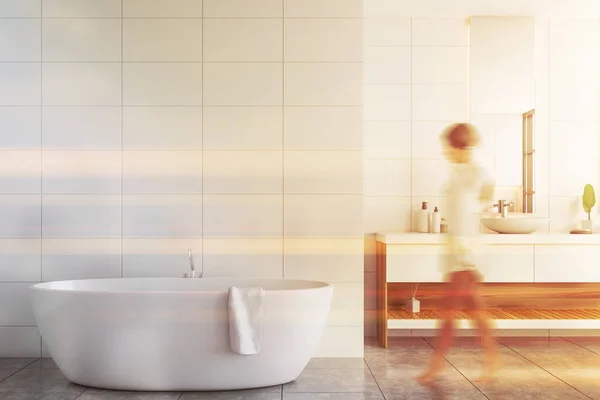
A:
[246,315]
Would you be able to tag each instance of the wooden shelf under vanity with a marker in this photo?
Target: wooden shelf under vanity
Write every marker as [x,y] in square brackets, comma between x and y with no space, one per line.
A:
[527,288]
[506,314]
[502,319]
[509,306]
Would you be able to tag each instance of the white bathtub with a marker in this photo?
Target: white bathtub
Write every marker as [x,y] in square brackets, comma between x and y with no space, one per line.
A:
[171,334]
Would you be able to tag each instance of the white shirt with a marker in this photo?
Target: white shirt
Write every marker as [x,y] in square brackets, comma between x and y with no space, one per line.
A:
[463,192]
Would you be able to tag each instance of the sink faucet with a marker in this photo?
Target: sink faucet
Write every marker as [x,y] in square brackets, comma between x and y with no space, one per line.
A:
[503,207]
[192,273]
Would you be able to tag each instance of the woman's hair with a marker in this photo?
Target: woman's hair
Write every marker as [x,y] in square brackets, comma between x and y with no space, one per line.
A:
[461,136]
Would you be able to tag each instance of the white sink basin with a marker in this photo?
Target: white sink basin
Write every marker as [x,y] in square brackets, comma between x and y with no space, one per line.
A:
[515,223]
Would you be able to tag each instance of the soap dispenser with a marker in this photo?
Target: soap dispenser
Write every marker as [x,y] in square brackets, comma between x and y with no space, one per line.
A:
[436,221]
[423,218]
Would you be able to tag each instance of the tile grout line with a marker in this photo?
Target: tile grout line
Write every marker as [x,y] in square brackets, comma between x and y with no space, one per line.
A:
[80,394]
[20,369]
[398,83]
[374,378]
[210,62]
[202,133]
[542,368]
[410,166]
[41,155]
[141,194]
[13,374]
[193,150]
[31,363]
[577,344]
[176,17]
[463,46]
[457,370]
[548,118]
[233,105]
[122,142]
[113,238]
[282,144]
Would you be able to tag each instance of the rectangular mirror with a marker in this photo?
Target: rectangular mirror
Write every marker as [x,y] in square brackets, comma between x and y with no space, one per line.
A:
[502,101]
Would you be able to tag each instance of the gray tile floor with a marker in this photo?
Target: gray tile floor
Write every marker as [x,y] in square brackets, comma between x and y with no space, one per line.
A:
[533,368]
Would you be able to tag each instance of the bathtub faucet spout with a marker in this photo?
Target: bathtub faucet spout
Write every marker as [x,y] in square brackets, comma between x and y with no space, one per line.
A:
[192,273]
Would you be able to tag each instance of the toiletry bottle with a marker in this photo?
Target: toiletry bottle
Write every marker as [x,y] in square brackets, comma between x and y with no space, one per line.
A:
[436,221]
[423,219]
[444,226]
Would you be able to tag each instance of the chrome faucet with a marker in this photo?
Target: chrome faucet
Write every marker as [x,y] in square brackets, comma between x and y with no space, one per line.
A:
[192,273]
[503,207]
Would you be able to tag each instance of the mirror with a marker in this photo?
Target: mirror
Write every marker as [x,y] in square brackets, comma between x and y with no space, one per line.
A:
[502,102]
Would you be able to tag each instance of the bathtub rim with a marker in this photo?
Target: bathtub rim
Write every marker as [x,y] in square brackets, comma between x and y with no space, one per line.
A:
[40,286]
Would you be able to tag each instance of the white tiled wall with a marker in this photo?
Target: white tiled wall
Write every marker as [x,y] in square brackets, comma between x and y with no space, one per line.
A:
[573,110]
[129,134]
[417,81]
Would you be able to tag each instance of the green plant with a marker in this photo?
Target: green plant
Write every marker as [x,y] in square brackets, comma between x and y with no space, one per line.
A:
[589,199]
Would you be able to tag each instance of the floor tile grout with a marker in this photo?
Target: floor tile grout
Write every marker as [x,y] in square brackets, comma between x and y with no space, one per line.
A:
[418,345]
[33,362]
[458,370]
[533,364]
[5,378]
[543,369]
[374,378]
[582,346]
[19,369]
[80,394]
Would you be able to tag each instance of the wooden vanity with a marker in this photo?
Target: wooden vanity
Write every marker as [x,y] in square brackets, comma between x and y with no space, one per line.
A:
[545,284]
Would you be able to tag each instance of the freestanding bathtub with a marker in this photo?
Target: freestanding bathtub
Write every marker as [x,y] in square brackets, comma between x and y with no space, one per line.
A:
[172,334]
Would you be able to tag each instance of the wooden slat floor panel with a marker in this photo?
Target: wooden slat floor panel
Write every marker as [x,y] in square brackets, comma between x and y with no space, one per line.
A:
[498,313]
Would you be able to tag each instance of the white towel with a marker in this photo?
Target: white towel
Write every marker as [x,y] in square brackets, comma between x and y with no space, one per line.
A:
[246,310]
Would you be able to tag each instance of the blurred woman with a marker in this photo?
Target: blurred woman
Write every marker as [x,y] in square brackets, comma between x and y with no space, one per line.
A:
[468,189]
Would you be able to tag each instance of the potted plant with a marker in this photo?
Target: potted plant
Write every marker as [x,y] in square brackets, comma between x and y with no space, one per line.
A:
[588,201]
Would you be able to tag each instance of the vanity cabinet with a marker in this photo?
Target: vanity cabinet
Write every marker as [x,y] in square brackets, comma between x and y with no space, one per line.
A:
[508,263]
[534,282]
[570,263]
[425,263]
[415,263]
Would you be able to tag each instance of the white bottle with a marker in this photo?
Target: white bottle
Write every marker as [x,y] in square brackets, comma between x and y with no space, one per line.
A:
[413,305]
[423,219]
[436,221]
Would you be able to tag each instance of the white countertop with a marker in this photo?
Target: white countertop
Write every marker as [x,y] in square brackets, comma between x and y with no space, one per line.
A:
[406,238]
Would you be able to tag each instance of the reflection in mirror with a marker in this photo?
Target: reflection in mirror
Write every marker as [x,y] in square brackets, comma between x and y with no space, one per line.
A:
[529,162]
